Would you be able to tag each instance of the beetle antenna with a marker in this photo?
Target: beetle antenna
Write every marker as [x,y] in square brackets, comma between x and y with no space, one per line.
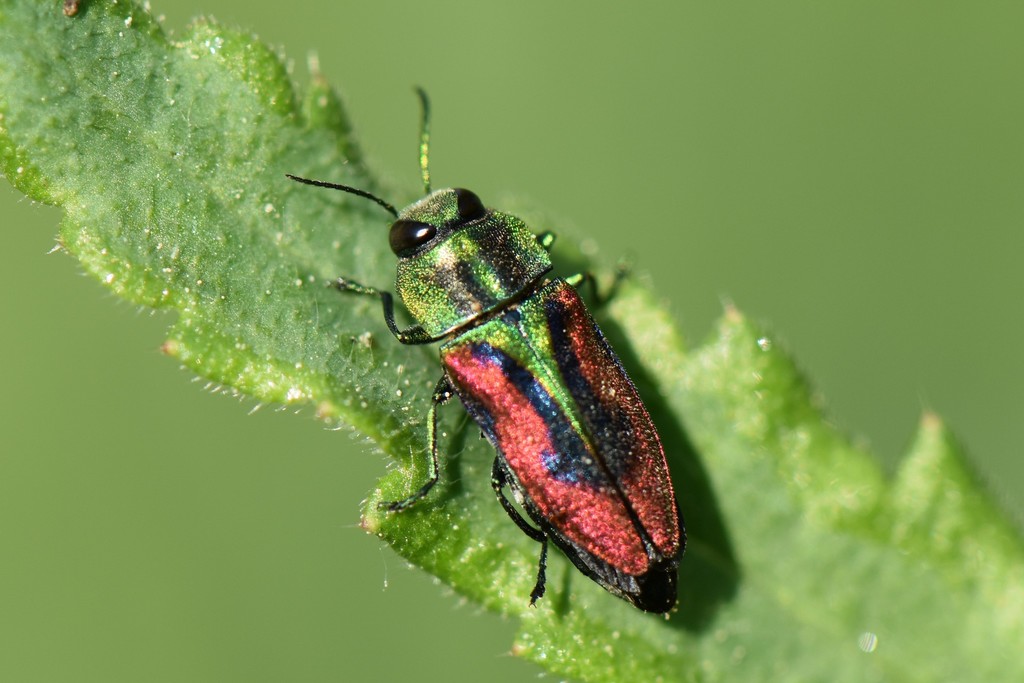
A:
[424,138]
[345,188]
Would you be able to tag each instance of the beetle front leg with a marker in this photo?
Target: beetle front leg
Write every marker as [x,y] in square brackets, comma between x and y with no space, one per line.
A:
[498,482]
[411,335]
[442,394]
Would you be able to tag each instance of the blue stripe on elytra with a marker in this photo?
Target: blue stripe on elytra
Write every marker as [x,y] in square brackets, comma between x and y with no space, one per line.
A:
[610,427]
[570,462]
[562,468]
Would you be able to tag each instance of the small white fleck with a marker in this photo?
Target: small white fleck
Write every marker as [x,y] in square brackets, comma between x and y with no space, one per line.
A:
[128,22]
[21,169]
[108,278]
[765,343]
[268,208]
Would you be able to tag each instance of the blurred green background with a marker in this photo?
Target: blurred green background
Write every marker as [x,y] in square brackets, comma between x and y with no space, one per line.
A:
[850,174]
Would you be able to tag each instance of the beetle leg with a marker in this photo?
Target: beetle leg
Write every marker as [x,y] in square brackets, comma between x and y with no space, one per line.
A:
[538,588]
[442,394]
[410,335]
[498,482]
[546,240]
[600,299]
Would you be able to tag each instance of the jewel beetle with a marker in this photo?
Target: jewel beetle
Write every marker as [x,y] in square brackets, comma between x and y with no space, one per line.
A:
[575,444]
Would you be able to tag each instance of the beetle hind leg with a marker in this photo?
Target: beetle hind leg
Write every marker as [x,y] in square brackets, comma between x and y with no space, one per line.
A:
[538,589]
[442,394]
[498,482]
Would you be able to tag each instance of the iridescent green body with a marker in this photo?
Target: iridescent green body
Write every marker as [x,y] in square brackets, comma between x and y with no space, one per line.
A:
[469,271]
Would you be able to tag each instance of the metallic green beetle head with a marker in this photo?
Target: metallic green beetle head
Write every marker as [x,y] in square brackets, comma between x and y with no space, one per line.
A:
[458,260]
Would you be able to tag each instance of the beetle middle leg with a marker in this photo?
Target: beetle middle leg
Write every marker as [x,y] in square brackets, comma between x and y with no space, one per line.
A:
[442,394]
[546,240]
[499,479]
[600,298]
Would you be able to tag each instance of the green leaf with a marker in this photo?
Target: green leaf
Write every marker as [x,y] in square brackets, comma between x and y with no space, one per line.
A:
[804,562]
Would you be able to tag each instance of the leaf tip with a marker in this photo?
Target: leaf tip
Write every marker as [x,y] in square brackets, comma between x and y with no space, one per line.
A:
[730,311]
[931,423]
[313,66]
[325,410]
[372,516]
[934,444]
[171,347]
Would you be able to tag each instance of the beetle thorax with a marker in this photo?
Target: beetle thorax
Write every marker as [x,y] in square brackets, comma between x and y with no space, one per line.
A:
[472,268]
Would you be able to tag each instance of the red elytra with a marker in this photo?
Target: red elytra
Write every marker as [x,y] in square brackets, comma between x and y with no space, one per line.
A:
[575,440]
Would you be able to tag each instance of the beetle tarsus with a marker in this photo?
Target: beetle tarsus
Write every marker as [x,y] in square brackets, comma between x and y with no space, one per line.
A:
[538,589]
[343,284]
[546,240]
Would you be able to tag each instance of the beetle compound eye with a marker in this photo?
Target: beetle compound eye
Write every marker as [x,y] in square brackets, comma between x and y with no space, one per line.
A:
[406,235]
[470,206]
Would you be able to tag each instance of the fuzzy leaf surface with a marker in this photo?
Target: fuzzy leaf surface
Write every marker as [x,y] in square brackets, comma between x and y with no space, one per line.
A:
[804,562]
